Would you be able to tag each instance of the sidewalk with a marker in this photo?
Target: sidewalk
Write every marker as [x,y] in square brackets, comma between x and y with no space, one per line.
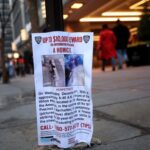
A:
[17,85]
[122,109]
[121,102]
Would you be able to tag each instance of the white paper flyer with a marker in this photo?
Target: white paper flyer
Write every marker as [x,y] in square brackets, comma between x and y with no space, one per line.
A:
[63,73]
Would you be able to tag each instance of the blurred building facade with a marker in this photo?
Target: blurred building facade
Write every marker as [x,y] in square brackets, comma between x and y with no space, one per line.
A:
[20,19]
[4,10]
[79,16]
[21,24]
[85,16]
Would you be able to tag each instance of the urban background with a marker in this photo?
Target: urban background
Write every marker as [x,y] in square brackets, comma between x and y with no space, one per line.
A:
[121,98]
[20,18]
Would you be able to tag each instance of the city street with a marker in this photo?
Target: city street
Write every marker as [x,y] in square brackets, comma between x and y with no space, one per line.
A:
[121,102]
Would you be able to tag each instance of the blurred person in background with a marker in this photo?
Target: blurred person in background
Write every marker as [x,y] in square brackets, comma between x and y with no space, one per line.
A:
[21,66]
[122,34]
[106,46]
[11,68]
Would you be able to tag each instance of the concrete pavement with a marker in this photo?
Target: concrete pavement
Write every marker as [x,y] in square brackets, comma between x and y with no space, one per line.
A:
[17,85]
[121,108]
[121,111]
[16,89]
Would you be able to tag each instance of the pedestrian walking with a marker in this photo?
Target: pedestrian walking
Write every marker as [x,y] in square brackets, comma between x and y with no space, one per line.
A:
[69,65]
[122,34]
[21,63]
[106,46]
[11,69]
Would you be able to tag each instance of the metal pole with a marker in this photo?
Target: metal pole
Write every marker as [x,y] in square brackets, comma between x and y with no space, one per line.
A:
[54,15]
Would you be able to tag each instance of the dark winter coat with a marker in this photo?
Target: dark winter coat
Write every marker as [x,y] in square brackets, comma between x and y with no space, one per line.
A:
[122,34]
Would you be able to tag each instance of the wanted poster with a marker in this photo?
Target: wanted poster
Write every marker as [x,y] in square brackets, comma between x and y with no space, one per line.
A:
[63,73]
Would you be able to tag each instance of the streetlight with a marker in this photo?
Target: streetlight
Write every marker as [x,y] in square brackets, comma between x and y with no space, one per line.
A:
[43,9]
[16,55]
[13,46]
[24,34]
[9,55]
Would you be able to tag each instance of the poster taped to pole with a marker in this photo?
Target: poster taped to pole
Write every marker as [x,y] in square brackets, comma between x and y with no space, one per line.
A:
[63,78]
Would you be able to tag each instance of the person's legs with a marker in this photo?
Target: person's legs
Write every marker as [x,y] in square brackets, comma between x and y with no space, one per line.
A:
[103,64]
[113,63]
[119,56]
[125,56]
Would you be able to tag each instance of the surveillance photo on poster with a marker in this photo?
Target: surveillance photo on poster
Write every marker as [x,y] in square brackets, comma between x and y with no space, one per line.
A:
[63,70]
